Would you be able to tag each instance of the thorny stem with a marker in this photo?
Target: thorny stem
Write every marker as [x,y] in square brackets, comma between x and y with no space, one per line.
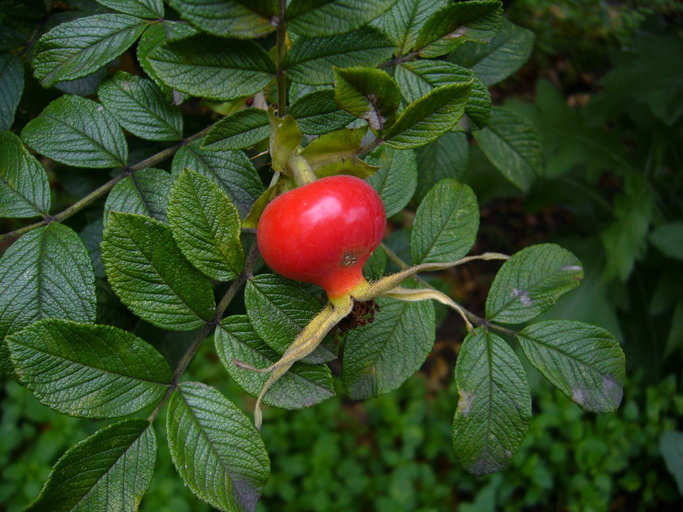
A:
[206,330]
[281,50]
[96,194]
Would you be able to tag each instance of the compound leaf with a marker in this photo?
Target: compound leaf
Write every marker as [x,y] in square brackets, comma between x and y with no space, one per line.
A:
[318,18]
[88,370]
[584,361]
[215,448]
[446,224]
[141,8]
[494,404]
[531,281]
[243,19]
[206,226]
[79,132]
[403,21]
[151,276]
[318,113]
[240,130]
[110,470]
[303,385]
[24,189]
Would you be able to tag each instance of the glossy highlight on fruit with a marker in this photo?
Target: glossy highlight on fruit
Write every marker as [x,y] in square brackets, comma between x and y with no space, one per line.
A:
[323,232]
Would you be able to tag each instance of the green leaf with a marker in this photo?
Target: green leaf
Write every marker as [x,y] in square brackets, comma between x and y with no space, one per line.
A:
[206,226]
[367,93]
[336,153]
[382,355]
[11,38]
[230,170]
[303,385]
[86,370]
[428,118]
[530,282]
[240,130]
[151,276]
[404,19]
[78,132]
[583,361]
[512,144]
[444,158]
[215,448]
[499,59]
[279,309]
[625,239]
[445,225]
[285,137]
[144,192]
[417,78]
[155,35]
[478,21]
[110,470]
[77,48]
[213,67]
[140,107]
[396,179]
[243,19]
[318,113]
[318,18]
[11,88]
[47,273]
[141,8]
[671,446]
[310,61]
[494,404]
[668,238]
[24,189]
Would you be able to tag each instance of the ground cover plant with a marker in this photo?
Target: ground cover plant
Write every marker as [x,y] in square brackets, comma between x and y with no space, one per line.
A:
[176,129]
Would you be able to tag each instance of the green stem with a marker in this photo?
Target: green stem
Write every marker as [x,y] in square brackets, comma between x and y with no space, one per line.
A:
[206,330]
[96,194]
[281,50]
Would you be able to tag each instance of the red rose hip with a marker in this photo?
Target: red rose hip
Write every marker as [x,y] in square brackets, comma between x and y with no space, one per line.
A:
[323,232]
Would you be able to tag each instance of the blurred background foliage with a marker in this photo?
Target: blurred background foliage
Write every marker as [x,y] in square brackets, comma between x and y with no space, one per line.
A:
[604,87]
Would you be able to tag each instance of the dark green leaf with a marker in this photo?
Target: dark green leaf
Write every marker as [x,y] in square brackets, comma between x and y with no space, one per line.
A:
[396,178]
[428,118]
[24,189]
[530,282]
[382,355]
[318,113]
[500,58]
[141,8]
[77,48]
[302,386]
[445,225]
[279,309]
[145,192]
[153,37]
[494,404]
[240,130]
[243,19]
[230,170]
[512,144]
[150,275]
[671,446]
[86,370]
[11,88]
[140,107]
[446,157]
[79,132]
[216,449]
[310,61]
[206,226]
[584,361]
[318,18]
[10,38]
[213,67]
[110,470]
[47,273]
[448,28]
[404,19]
[668,238]
[417,78]
[367,93]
